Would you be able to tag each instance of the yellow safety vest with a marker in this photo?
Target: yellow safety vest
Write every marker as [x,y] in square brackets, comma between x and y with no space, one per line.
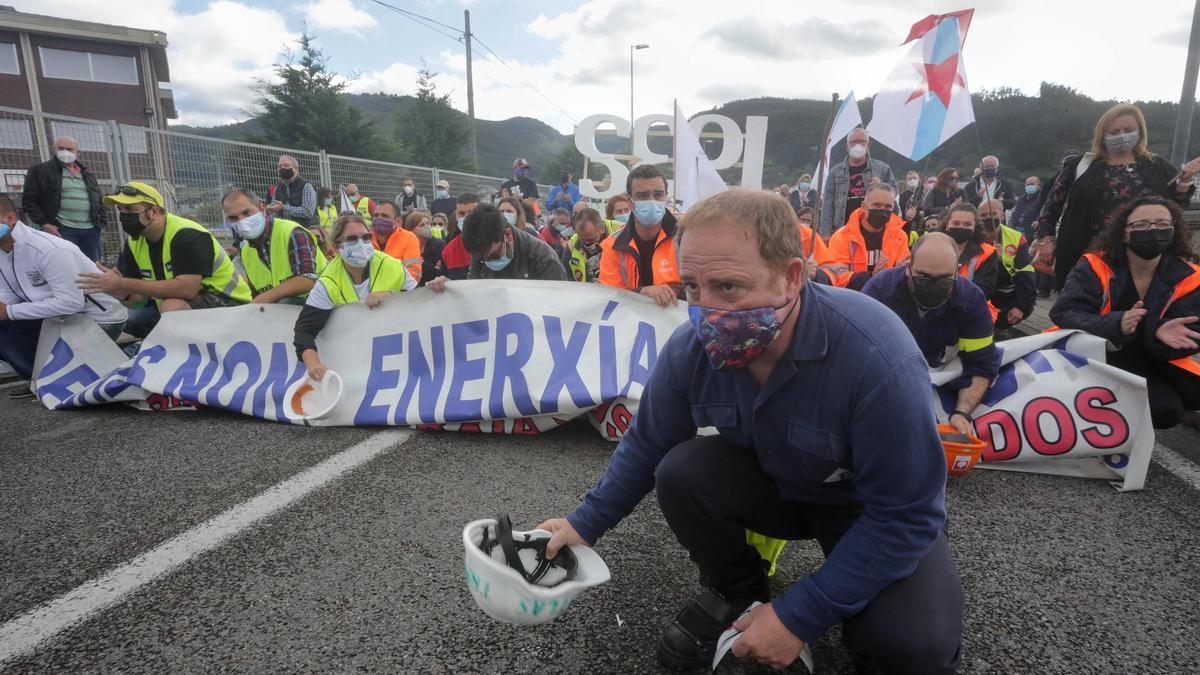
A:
[385,273]
[437,232]
[264,278]
[363,206]
[613,225]
[326,215]
[223,278]
[1010,243]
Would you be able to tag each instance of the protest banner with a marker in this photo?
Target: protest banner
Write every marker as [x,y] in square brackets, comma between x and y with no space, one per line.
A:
[520,358]
[494,356]
[1056,407]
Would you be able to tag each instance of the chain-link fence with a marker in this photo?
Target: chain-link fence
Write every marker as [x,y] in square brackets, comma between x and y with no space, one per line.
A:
[193,172]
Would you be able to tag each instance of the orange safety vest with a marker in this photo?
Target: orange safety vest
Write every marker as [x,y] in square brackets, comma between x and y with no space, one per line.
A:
[1189,284]
[619,266]
[848,249]
[967,271]
[404,246]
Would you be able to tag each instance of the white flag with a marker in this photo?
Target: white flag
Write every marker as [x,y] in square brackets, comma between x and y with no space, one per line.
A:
[695,177]
[344,203]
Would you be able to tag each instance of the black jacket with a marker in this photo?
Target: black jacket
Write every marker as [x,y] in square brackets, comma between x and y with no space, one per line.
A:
[43,191]
[1083,212]
[974,192]
[532,258]
[1078,305]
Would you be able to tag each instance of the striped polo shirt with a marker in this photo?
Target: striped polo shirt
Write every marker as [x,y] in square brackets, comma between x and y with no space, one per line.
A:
[74,209]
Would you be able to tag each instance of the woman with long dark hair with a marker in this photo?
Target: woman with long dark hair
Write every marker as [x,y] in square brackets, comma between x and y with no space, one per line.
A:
[1140,289]
[945,192]
[1090,188]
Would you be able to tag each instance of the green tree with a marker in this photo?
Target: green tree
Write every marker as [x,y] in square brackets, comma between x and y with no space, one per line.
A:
[303,107]
[433,133]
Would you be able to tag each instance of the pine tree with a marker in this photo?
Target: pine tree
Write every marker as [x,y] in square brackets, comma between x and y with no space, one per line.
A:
[432,132]
[303,108]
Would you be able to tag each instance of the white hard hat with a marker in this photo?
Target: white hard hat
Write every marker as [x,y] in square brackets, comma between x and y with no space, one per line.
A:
[512,581]
[309,399]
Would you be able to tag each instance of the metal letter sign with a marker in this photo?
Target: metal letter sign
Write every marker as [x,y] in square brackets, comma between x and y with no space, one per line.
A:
[749,148]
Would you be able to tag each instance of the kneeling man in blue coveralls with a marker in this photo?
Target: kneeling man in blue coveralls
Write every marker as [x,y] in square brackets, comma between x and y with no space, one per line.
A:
[822,400]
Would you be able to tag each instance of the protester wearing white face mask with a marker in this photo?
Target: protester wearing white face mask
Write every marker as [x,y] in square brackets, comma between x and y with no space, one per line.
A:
[1090,189]
[442,203]
[848,181]
[62,197]
[409,199]
[803,195]
[279,258]
[359,273]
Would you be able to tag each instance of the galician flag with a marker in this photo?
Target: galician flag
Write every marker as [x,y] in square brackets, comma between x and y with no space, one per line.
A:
[925,100]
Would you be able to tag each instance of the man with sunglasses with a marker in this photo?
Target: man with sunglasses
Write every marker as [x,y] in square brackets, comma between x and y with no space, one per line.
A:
[171,260]
[943,309]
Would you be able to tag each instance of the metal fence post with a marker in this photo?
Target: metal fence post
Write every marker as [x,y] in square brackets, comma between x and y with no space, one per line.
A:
[437,176]
[118,161]
[326,176]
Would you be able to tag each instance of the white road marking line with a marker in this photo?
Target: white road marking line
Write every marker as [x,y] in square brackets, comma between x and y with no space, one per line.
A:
[1183,468]
[27,632]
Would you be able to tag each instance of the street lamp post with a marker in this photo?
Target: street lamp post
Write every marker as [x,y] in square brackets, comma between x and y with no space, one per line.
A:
[631,49]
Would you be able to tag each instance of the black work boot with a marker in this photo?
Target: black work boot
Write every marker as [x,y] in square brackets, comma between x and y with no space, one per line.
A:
[691,641]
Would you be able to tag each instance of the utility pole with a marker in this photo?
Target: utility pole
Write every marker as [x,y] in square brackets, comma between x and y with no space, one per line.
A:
[1187,102]
[471,91]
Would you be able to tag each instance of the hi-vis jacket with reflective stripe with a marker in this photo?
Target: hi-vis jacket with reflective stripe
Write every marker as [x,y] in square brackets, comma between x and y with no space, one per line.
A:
[619,259]
[848,264]
[263,278]
[1186,286]
[978,264]
[223,278]
[405,247]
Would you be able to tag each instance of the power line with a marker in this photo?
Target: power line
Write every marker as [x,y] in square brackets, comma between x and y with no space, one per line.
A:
[424,21]
[458,37]
[527,82]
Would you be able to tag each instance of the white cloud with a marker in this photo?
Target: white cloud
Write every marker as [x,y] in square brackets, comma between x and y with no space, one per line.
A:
[214,66]
[337,15]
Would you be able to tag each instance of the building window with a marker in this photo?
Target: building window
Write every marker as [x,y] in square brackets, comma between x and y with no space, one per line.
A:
[90,137]
[63,64]
[8,59]
[15,134]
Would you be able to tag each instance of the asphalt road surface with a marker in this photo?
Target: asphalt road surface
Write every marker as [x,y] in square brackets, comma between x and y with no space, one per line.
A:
[364,570]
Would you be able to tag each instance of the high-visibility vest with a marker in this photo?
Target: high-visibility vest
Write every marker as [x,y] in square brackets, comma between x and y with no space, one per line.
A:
[613,226]
[437,232]
[222,279]
[363,206]
[577,264]
[326,215]
[264,278]
[1188,284]
[967,270]
[1010,245]
[385,274]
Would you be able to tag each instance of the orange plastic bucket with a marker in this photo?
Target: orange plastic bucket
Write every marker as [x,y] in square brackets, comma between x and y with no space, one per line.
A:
[962,452]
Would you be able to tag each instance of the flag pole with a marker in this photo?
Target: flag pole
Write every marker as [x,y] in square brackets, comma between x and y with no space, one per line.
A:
[674,150]
[821,161]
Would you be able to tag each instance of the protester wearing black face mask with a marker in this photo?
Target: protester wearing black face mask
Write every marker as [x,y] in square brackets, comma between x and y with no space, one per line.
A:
[1015,294]
[1140,290]
[943,309]
[565,194]
[293,198]
[977,261]
[989,185]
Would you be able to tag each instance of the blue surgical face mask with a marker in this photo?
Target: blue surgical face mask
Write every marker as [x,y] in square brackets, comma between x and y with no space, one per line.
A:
[805,186]
[499,263]
[251,227]
[326,203]
[442,194]
[510,217]
[621,217]
[649,211]
[5,228]
[460,223]
[357,254]
[1031,189]
[564,231]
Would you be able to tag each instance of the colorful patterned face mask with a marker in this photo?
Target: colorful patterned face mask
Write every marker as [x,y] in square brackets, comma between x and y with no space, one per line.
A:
[734,338]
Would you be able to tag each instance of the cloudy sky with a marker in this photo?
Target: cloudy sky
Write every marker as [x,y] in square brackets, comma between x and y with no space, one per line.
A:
[702,52]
